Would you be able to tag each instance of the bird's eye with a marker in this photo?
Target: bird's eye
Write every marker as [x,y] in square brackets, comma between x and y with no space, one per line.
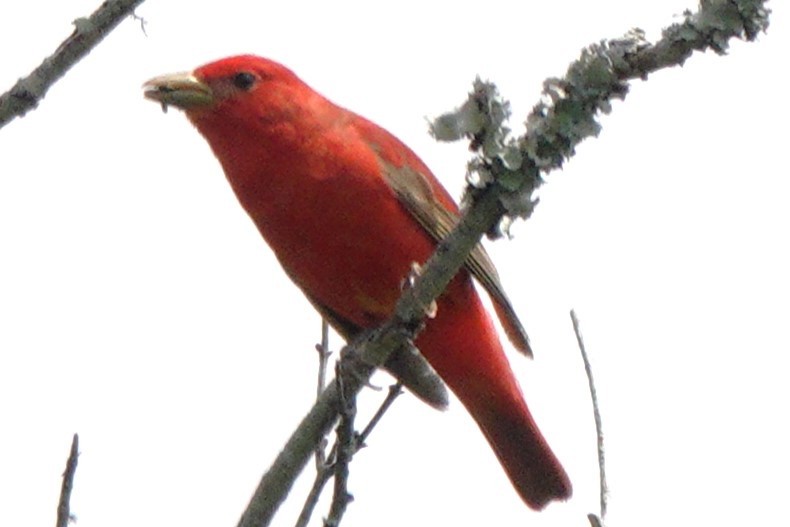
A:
[244,80]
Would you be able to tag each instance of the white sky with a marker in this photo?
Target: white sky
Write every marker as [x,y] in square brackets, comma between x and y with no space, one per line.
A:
[139,307]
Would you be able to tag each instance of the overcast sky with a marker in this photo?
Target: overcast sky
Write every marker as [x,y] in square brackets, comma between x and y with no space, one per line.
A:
[140,308]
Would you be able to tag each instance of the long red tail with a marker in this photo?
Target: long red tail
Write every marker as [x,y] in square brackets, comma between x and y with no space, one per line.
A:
[463,347]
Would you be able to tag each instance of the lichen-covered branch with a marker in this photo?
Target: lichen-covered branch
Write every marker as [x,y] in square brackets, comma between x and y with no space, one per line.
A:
[568,110]
[88,32]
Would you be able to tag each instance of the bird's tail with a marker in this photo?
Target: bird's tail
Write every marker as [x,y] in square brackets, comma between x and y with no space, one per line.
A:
[463,347]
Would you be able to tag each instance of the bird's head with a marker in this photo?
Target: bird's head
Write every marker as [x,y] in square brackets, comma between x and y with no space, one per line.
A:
[235,90]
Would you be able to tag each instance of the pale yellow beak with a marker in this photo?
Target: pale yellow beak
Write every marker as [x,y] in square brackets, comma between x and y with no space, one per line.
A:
[182,90]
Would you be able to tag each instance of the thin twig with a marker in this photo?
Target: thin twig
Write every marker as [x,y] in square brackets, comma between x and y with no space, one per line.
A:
[344,451]
[143,23]
[64,503]
[323,357]
[323,360]
[392,394]
[594,520]
[322,469]
[325,473]
[348,444]
[88,32]
[596,414]
[321,477]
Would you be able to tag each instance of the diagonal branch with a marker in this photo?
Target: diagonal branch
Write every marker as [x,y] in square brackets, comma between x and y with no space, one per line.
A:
[88,32]
[64,503]
[345,448]
[324,471]
[569,106]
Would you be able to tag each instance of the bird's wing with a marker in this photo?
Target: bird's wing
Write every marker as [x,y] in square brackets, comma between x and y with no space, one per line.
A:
[417,193]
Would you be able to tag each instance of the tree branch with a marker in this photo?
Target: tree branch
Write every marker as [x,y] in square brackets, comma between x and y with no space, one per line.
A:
[394,391]
[323,360]
[567,111]
[325,472]
[603,487]
[64,503]
[345,448]
[323,356]
[88,32]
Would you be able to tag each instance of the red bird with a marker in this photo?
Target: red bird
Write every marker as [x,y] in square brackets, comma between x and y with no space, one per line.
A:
[347,209]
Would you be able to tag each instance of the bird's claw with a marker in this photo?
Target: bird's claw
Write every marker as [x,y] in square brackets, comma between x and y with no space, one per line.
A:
[416,269]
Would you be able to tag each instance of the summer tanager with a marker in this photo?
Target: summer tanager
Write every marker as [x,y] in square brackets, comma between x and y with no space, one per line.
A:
[347,209]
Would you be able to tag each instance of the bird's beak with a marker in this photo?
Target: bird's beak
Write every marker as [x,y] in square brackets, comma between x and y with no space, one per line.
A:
[182,90]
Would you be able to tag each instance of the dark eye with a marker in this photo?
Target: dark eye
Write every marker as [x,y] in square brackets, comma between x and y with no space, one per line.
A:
[244,80]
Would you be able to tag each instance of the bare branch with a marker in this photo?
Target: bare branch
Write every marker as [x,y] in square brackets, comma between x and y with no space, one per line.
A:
[64,503]
[321,477]
[604,489]
[325,472]
[88,32]
[392,394]
[594,520]
[323,360]
[345,448]
[323,356]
